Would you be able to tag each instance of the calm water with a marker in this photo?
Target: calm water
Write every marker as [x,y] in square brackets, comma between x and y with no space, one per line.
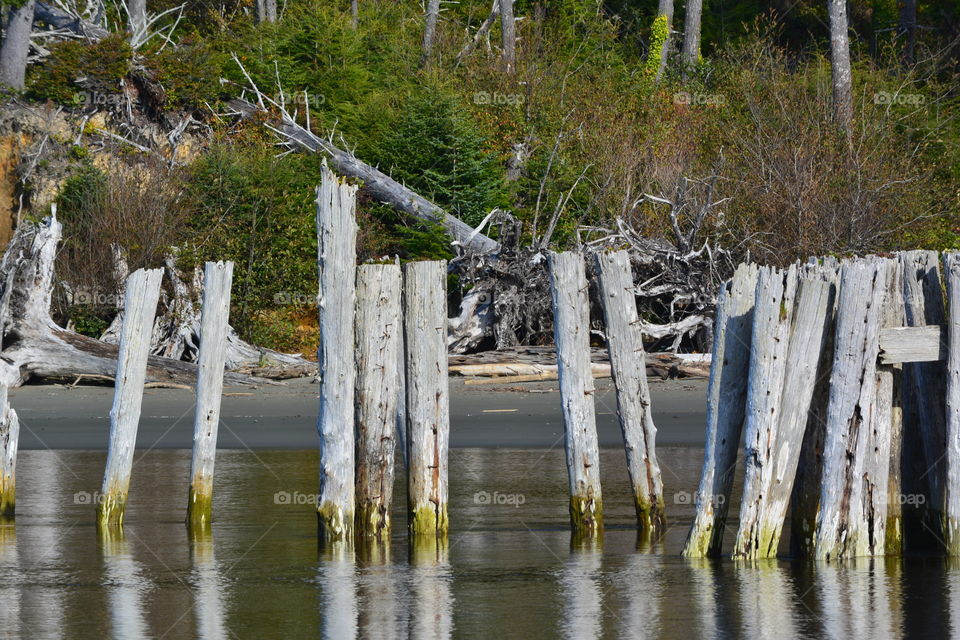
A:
[509,570]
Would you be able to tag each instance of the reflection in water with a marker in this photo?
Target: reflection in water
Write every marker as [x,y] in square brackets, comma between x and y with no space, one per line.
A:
[641,583]
[9,590]
[338,590]
[208,586]
[376,591]
[582,594]
[766,600]
[431,606]
[46,552]
[706,595]
[857,599]
[125,586]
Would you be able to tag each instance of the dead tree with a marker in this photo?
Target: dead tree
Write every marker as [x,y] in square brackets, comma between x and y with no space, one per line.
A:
[266,11]
[16,45]
[664,12]
[508,30]
[137,18]
[429,31]
[34,345]
[481,33]
[840,65]
[691,34]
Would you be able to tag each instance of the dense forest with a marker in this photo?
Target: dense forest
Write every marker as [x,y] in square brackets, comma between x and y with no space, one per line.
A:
[691,123]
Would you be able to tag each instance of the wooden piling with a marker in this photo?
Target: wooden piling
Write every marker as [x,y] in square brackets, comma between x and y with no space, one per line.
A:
[629,373]
[215,313]
[336,263]
[140,307]
[844,526]
[951,272]
[886,428]
[788,339]
[379,337]
[9,437]
[726,405]
[924,393]
[571,332]
[427,395]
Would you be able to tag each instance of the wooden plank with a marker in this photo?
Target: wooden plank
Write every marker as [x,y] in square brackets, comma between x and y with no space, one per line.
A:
[951,272]
[726,406]
[841,528]
[336,265]
[776,423]
[924,402]
[629,372]
[9,437]
[571,332]
[214,319]
[379,332]
[140,307]
[912,344]
[428,395]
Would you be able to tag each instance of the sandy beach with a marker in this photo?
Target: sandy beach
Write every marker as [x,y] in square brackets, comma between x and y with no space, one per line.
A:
[525,415]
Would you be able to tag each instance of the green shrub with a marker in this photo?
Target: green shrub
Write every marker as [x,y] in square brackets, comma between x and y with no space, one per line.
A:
[99,64]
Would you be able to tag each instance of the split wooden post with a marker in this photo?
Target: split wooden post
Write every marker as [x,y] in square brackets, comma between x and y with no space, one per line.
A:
[629,371]
[788,340]
[571,332]
[140,307]
[845,526]
[886,427]
[379,333]
[336,264]
[215,313]
[951,272]
[428,395]
[9,437]
[726,405]
[924,391]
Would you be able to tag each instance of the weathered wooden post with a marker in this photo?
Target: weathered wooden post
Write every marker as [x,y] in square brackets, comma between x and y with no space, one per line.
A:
[951,272]
[336,263]
[9,437]
[428,395]
[140,307]
[846,527]
[726,406]
[629,372]
[788,340]
[924,390]
[379,333]
[571,332]
[215,313]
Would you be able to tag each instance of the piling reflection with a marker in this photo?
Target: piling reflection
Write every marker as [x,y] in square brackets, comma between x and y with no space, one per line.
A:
[431,600]
[126,586]
[707,597]
[859,598]
[209,588]
[376,591]
[641,583]
[9,568]
[767,602]
[337,576]
[582,593]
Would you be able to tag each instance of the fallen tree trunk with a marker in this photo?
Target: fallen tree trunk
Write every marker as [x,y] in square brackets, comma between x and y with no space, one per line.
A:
[57,18]
[34,345]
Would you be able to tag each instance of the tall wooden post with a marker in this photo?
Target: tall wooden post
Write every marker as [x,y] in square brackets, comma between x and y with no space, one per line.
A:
[776,423]
[951,271]
[886,428]
[726,406]
[140,307]
[428,395]
[845,526]
[571,332]
[379,337]
[629,373]
[9,437]
[336,263]
[215,313]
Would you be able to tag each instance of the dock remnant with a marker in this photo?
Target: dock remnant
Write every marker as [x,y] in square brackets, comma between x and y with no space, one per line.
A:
[951,273]
[571,330]
[215,314]
[140,305]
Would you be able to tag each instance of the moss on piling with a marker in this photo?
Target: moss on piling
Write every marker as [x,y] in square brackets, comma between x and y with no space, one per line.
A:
[199,507]
[8,496]
[333,523]
[111,509]
[586,516]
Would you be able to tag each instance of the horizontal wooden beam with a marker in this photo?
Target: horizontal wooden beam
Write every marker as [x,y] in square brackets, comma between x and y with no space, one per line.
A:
[912,344]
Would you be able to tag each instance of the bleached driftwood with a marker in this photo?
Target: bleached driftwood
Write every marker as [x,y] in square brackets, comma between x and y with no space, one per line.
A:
[912,344]
[140,303]
[726,406]
[336,263]
[845,526]
[775,430]
[9,439]
[951,273]
[379,335]
[628,368]
[427,396]
[218,276]
[571,321]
